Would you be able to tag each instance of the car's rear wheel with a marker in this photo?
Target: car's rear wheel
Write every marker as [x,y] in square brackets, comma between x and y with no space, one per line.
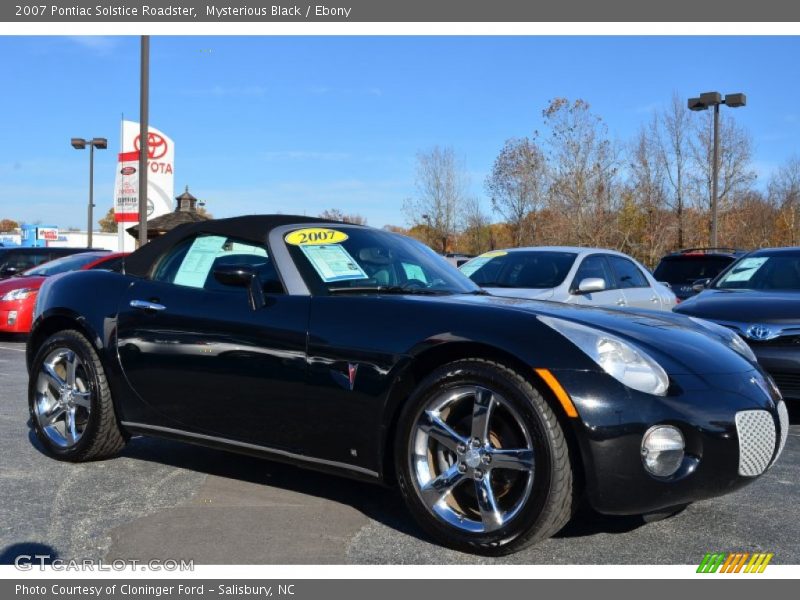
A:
[482,461]
[70,401]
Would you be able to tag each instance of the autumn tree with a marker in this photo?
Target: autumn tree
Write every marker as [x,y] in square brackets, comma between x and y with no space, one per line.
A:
[517,186]
[335,214]
[476,236]
[784,192]
[735,155]
[583,166]
[440,191]
[107,223]
[8,225]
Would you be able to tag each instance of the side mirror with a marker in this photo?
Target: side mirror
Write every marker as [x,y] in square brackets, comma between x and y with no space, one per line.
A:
[242,276]
[234,275]
[591,284]
[700,284]
[9,271]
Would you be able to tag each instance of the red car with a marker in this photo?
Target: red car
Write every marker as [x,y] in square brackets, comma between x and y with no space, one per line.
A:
[18,293]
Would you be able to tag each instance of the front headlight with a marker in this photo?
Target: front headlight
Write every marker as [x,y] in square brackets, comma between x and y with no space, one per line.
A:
[18,294]
[625,362]
[732,339]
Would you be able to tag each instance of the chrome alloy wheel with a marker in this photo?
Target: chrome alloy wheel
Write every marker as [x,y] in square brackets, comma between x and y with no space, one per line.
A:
[63,399]
[472,458]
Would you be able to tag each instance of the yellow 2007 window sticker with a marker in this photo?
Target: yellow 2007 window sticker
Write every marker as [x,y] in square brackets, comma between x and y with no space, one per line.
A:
[315,236]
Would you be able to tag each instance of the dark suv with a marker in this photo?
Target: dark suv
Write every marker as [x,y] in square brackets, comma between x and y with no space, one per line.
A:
[689,271]
[16,259]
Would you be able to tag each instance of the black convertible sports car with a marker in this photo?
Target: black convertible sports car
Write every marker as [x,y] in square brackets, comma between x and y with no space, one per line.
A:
[759,298]
[358,351]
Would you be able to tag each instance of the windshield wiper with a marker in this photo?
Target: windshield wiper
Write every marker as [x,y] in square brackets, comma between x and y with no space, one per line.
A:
[386,289]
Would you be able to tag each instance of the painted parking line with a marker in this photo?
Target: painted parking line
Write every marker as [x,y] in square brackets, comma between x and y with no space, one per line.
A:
[14,349]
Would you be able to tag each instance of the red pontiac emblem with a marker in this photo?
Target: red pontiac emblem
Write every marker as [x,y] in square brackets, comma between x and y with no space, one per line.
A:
[156,145]
[127,170]
[352,372]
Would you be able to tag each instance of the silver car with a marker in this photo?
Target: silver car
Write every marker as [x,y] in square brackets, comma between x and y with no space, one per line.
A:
[591,276]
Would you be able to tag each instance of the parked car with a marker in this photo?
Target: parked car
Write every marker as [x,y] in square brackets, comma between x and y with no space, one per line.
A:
[18,293]
[687,271]
[759,298]
[16,259]
[568,274]
[457,259]
[361,352]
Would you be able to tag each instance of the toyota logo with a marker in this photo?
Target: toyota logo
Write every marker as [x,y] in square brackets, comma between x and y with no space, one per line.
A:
[760,333]
[156,145]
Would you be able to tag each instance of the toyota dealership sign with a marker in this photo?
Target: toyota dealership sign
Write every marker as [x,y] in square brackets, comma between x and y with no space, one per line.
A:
[160,179]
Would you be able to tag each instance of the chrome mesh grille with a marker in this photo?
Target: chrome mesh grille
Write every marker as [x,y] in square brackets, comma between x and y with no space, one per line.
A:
[756,431]
[783,417]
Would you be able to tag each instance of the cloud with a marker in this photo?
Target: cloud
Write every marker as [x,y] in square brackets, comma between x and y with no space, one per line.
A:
[96,43]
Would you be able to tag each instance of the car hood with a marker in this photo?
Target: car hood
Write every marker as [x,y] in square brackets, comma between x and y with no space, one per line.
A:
[744,306]
[16,283]
[679,344]
[529,293]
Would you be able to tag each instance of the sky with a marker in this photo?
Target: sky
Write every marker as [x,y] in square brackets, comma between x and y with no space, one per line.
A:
[300,124]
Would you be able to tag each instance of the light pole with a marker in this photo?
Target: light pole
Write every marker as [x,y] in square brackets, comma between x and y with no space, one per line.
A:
[144,137]
[704,102]
[80,144]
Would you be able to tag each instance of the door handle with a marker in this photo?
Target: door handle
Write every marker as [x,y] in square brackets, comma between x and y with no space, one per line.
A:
[621,302]
[654,299]
[145,305]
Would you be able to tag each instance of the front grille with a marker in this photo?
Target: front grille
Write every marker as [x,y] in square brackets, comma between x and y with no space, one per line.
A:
[788,384]
[756,431]
[780,342]
[783,417]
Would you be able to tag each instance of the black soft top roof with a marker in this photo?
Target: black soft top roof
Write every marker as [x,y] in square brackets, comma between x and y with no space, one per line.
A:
[248,228]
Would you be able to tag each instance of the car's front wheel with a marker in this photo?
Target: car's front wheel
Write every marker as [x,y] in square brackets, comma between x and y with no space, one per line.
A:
[70,401]
[482,461]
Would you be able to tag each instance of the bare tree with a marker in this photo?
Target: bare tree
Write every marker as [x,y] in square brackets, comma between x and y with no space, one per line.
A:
[673,129]
[335,214]
[735,154]
[583,166]
[517,186]
[784,193]
[441,183]
[646,196]
[476,236]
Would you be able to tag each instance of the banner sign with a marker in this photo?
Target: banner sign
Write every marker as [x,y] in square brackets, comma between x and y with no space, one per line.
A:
[49,234]
[160,174]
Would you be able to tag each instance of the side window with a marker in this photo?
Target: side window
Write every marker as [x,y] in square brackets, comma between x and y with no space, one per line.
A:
[594,266]
[113,264]
[628,274]
[192,264]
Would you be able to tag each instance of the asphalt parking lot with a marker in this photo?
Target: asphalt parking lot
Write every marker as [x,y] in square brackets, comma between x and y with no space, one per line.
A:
[163,499]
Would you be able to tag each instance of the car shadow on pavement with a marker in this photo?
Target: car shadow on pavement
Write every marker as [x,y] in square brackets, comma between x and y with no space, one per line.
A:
[376,502]
[28,553]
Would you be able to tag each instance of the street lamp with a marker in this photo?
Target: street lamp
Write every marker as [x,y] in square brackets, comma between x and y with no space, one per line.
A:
[704,102]
[80,144]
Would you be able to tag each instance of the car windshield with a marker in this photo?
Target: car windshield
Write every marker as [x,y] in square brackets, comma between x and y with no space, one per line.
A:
[342,259]
[688,269]
[765,272]
[540,269]
[61,265]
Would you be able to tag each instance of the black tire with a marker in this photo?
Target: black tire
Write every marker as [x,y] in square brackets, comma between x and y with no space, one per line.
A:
[101,436]
[552,498]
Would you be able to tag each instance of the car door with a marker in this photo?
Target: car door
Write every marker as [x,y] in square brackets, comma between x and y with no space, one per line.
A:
[634,284]
[596,266]
[201,359]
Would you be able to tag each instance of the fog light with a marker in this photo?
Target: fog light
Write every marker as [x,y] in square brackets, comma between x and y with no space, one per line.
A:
[662,450]
[12,317]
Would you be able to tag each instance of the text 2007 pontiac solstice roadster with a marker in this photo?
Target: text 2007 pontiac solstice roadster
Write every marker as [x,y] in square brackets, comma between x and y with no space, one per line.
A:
[358,351]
